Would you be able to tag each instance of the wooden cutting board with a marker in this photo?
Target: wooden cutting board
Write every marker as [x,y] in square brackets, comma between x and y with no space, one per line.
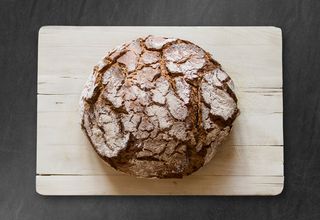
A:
[250,162]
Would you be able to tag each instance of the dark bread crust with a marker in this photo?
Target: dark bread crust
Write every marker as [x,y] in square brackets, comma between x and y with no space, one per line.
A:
[158,107]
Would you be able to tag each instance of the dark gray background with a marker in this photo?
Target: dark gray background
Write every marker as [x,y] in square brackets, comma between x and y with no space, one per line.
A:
[19,25]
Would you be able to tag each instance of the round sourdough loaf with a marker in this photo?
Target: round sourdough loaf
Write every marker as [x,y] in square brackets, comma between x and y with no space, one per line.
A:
[158,107]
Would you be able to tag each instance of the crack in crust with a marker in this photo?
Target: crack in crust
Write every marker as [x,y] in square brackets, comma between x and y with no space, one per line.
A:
[158,107]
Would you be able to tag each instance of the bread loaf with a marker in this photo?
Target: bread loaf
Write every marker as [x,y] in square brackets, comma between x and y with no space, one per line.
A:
[158,107]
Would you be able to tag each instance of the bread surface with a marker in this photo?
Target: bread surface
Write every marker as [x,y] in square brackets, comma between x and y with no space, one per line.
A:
[158,107]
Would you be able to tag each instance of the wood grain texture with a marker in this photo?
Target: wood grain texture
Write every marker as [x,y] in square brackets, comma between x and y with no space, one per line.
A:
[191,185]
[250,162]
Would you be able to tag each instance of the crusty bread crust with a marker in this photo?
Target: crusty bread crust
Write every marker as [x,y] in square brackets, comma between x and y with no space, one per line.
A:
[158,107]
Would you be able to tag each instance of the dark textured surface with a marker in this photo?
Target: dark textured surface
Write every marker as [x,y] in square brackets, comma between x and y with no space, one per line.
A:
[19,25]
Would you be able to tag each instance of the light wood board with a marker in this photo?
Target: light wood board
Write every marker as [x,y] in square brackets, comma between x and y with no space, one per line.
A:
[250,162]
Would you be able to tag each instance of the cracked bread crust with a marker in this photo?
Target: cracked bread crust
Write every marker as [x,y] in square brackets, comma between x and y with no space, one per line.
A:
[158,107]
